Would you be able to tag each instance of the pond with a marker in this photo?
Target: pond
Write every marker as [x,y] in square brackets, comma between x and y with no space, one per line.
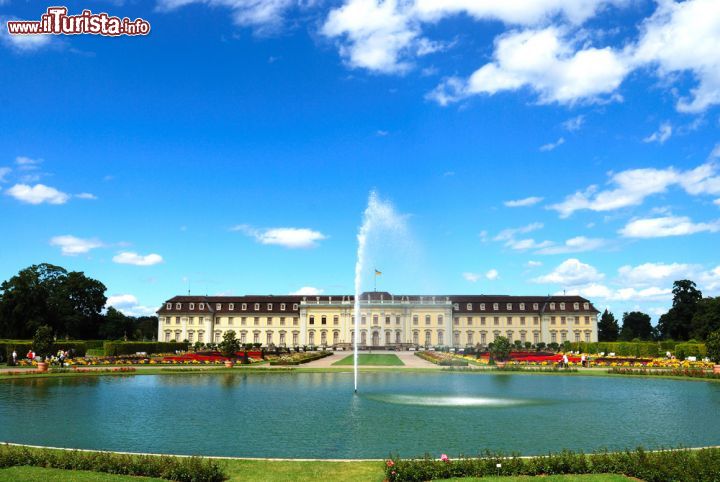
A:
[316,415]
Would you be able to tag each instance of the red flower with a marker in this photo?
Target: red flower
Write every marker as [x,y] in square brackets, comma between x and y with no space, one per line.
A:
[390,463]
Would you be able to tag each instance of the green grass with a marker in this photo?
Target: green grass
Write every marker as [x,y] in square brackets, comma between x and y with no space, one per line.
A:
[372,360]
[41,474]
[266,471]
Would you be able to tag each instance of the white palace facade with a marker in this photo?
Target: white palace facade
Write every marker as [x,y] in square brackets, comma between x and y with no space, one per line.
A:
[386,321]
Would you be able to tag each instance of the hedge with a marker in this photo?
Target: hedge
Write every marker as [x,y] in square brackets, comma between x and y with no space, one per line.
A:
[23,346]
[115,348]
[683,465]
[182,469]
[684,350]
[645,349]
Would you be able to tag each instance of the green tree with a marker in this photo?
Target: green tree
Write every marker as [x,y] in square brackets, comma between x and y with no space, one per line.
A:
[115,325]
[713,346]
[44,294]
[500,349]
[676,324]
[706,318]
[636,324]
[608,329]
[230,344]
[42,343]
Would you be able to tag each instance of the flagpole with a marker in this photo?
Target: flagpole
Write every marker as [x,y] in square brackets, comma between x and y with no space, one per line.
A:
[375,281]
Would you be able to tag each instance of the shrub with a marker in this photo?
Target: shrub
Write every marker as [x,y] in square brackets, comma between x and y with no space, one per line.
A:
[42,343]
[500,350]
[182,469]
[713,347]
[115,348]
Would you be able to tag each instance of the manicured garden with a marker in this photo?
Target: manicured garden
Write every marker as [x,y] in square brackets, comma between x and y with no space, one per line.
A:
[367,359]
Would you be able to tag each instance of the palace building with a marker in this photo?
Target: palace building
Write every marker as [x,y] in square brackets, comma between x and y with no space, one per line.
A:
[386,321]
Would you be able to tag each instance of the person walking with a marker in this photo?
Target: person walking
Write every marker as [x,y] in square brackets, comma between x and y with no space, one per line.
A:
[565,360]
[582,360]
[14,357]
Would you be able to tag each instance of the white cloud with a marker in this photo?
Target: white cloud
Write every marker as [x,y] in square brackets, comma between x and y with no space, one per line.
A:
[632,186]
[308,291]
[577,244]
[129,305]
[545,61]
[666,226]
[22,43]
[525,244]
[661,135]
[533,264]
[647,294]
[72,246]
[552,145]
[528,201]
[571,272]
[472,277]
[510,233]
[683,37]
[574,124]
[86,195]
[717,202]
[715,152]
[4,171]
[37,194]
[492,274]
[288,237]
[27,163]
[648,274]
[129,257]
[265,16]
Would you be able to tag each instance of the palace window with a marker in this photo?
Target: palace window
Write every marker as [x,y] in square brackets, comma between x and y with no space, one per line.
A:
[586,306]
[587,320]
[536,320]
[562,306]
[336,337]
[167,336]
[483,338]
[427,338]
[269,338]
[562,320]
[496,320]
[576,306]
[295,338]
[363,319]
[536,306]
[552,320]
[553,337]
[387,320]
[178,306]
[375,319]
[243,337]
[522,336]
[243,306]
[295,321]
[482,306]
[269,306]
[522,321]
[217,337]
[496,306]
[230,320]
[587,336]
[552,306]
[243,320]
[416,337]
[456,338]
[256,320]
[282,321]
[323,320]
[269,320]
[440,319]
[191,335]
[231,306]
[469,320]
[536,337]
[456,320]
[202,306]
[312,320]
[482,320]
[509,320]
[257,306]
[256,337]
[336,320]
[218,306]
[427,319]
[415,319]
[168,306]
[282,338]
[388,337]
[470,337]
[397,336]
[469,306]
[577,336]
[177,320]
[563,335]
[522,306]
[397,320]
[456,306]
[295,306]
[509,306]
[282,306]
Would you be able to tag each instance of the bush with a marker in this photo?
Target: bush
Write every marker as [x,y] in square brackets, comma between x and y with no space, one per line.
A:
[182,469]
[22,347]
[676,465]
[713,347]
[690,349]
[42,343]
[115,348]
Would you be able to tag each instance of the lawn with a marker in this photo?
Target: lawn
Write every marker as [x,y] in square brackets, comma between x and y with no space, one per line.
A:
[265,471]
[371,360]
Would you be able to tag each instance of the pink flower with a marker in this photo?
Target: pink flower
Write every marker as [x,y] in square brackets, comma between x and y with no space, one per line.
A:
[444,458]
[390,463]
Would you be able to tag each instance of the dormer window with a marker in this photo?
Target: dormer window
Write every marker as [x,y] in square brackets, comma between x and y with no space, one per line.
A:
[192,306]
[202,306]
[496,306]
[469,306]
[536,306]
[295,306]
[168,306]
[576,306]
[231,306]
[257,306]
[269,306]
[522,306]
[282,306]
[243,306]
[552,306]
[218,306]
[178,306]
[482,306]
[509,306]
[586,306]
[562,306]
[456,306]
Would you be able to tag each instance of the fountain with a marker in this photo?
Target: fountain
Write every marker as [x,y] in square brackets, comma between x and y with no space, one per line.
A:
[378,215]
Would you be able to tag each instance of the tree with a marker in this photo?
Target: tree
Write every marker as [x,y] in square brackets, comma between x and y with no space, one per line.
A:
[636,324]
[676,324]
[116,325]
[42,343]
[608,329]
[230,344]
[713,346]
[44,294]
[706,318]
[500,349]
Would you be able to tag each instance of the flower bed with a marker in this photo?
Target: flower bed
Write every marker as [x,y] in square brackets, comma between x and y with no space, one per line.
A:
[73,370]
[299,358]
[674,372]
[442,359]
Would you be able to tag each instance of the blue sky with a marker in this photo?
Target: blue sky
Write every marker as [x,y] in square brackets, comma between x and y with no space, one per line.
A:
[530,147]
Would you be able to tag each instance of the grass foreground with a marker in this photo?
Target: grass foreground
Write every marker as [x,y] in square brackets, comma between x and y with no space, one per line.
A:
[266,471]
[365,359]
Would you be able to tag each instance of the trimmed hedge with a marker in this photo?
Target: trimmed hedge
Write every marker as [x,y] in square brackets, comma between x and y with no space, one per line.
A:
[643,349]
[181,469]
[115,348]
[677,465]
[23,346]
[684,350]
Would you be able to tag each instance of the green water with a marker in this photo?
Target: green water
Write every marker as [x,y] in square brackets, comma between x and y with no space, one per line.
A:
[316,415]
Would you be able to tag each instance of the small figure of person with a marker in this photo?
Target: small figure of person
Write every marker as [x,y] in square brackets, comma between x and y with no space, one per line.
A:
[582,360]
[14,357]
[30,355]
[565,360]
[61,358]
